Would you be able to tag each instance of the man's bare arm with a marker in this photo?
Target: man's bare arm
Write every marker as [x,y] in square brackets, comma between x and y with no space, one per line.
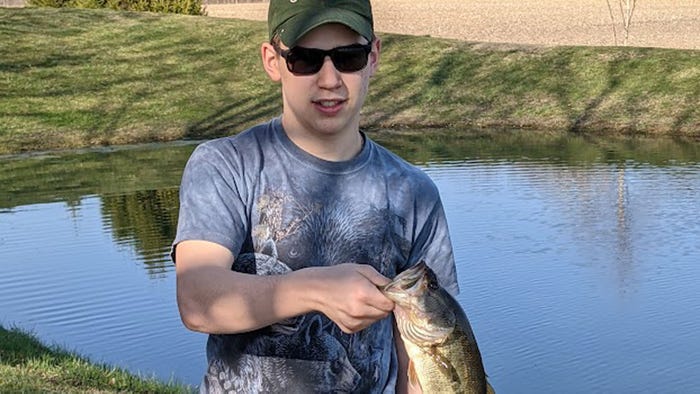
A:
[214,299]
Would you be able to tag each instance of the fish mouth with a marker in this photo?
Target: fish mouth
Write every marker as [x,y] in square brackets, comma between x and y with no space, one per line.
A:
[410,283]
[422,318]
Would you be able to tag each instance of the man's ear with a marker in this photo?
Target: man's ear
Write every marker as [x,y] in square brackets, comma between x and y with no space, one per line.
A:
[271,61]
[374,55]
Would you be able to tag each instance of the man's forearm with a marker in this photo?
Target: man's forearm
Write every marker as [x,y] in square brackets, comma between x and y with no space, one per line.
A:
[216,300]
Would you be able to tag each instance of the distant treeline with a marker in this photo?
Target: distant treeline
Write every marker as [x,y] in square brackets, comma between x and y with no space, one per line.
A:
[22,3]
[233,1]
[187,7]
[190,7]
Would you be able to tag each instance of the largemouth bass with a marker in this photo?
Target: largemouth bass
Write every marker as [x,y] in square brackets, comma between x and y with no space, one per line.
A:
[444,356]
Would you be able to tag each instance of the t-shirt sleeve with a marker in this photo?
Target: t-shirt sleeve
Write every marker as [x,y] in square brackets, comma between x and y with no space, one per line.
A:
[212,207]
[432,243]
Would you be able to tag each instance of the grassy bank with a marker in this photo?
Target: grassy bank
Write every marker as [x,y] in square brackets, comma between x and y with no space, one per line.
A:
[73,78]
[27,366]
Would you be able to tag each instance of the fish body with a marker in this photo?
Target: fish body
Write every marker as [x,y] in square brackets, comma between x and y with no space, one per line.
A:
[441,346]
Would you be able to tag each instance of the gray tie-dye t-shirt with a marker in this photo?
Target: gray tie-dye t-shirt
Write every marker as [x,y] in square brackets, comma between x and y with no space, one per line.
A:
[278,209]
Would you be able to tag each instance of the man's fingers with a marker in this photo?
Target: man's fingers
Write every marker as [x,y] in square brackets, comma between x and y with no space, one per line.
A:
[380,301]
[353,300]
[351,325]
[375,277]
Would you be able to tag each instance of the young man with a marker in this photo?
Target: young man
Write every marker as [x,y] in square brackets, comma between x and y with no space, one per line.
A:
[286,229]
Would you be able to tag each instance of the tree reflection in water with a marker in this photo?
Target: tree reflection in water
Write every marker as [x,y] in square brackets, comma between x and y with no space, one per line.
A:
[145,221]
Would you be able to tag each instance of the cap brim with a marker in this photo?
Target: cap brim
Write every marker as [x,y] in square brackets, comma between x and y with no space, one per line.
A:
[292,30]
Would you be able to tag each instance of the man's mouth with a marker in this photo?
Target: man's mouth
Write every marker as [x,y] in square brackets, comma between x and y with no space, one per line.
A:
[328,103]
[329,107]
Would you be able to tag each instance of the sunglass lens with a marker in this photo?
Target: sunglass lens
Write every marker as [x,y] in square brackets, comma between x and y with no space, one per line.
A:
[305,60]
[350,59]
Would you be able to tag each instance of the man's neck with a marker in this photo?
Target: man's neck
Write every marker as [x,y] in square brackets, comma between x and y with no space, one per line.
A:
[335,147]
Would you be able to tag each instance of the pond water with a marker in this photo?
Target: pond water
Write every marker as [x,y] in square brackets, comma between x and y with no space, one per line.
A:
[578,258]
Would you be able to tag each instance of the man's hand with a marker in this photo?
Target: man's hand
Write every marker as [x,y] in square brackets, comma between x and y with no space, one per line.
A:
[348,295]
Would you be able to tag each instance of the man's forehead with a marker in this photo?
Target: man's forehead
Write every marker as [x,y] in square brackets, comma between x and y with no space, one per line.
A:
[331,32]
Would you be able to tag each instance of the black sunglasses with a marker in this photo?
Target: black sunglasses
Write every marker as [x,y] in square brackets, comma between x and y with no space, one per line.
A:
[307,61]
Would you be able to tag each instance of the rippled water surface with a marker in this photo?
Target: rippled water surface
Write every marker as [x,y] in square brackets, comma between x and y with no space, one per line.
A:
[578,258]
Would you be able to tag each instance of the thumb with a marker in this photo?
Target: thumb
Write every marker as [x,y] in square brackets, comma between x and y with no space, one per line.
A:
[372,275]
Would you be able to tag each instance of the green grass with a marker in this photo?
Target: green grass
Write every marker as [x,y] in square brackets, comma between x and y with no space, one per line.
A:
[28,366]
[89,77]
[73,78]
[584,89]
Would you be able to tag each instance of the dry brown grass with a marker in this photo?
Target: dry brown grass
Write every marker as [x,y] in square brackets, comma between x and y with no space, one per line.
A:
[658,23]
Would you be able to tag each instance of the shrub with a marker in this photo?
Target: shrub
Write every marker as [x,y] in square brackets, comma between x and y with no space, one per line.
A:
[189,7]
[86,4]
[48,3]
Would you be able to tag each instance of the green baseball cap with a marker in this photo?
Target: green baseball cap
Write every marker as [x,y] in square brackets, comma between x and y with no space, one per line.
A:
[291,19]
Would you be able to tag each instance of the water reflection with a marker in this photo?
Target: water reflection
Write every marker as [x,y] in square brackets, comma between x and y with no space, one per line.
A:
[566,270]
[146,221]
[35,179]
[624,255]
[572,252]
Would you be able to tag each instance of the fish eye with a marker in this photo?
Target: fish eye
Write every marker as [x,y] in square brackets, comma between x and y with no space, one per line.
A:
[432,280]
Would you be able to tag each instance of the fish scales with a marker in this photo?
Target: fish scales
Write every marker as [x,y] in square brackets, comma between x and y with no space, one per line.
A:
[444,356]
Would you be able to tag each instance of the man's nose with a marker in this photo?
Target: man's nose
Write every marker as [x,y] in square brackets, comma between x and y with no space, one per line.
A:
[328,75]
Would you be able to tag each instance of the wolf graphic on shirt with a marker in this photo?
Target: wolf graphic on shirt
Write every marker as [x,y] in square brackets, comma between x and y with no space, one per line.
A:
[293,353]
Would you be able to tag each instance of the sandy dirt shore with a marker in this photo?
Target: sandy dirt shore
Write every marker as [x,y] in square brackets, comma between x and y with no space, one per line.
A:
[657,23]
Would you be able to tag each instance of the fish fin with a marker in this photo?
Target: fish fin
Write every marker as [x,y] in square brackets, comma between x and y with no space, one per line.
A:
[489,388]
[444,364]
[412,375]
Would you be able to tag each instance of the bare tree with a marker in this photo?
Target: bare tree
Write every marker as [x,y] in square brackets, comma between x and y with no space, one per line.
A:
[626,11]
